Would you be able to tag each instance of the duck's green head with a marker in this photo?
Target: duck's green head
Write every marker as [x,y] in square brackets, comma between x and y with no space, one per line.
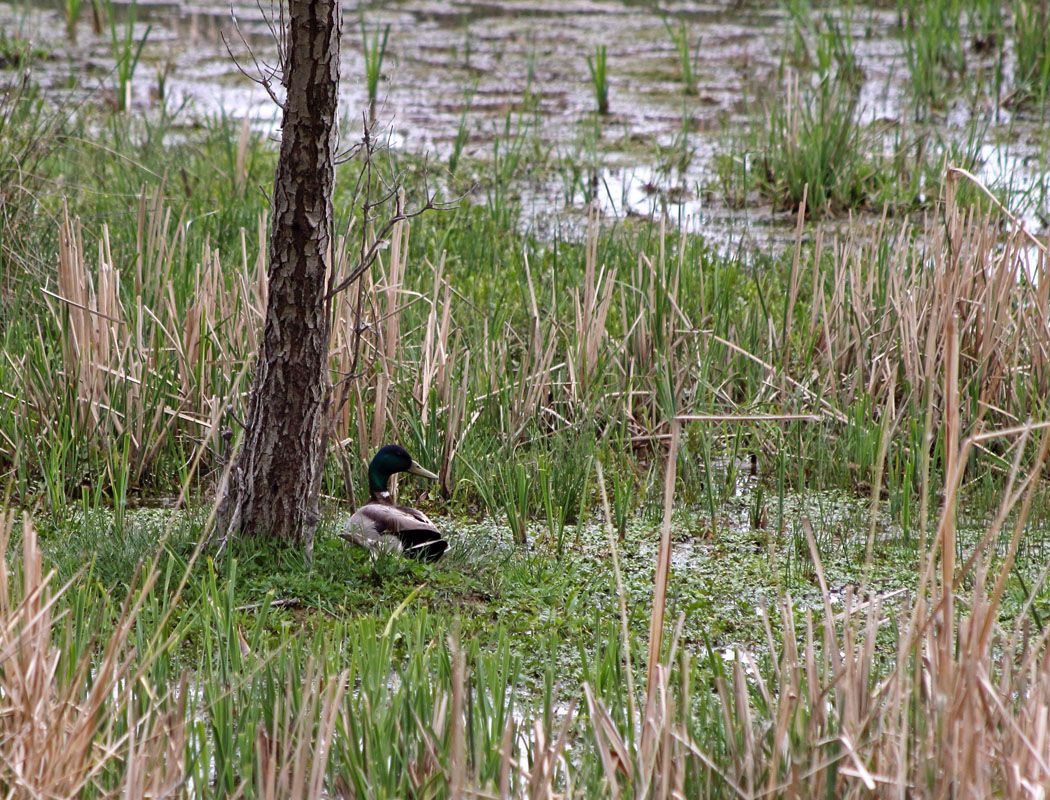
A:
[390,459]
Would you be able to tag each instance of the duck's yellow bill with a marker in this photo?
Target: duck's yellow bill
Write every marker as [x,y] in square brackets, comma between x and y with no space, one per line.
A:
[415,469]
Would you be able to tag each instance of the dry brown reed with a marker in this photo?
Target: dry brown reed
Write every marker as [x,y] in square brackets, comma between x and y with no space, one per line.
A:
[156,368]
[60,728]
[896,318]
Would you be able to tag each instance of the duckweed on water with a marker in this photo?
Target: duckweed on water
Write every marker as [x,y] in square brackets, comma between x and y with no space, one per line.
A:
[721,580]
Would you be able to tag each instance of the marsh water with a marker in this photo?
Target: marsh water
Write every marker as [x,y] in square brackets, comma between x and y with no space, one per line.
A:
[509,82]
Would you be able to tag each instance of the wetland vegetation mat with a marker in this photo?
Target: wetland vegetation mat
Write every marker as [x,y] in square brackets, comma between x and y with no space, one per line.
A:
[773,321]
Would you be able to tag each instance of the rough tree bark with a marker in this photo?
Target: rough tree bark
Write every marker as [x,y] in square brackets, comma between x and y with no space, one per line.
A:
[274,482]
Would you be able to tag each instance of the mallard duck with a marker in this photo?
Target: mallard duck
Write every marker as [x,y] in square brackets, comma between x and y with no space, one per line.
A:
[381,525]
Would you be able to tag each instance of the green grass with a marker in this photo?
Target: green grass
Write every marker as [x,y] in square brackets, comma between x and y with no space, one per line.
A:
[986,25]
[933,51]
[824,42]
[686,58]
[125,49]
[17,53]
[71,10]
[812,139]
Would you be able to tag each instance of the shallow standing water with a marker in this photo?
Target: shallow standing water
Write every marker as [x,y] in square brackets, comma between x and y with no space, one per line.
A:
[510,80]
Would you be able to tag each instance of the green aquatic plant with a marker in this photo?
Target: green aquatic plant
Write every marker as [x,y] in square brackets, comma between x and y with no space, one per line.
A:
[596,65]
[375,52]
[509,148]
[462,131]
[835,52]
[686,56]
[986,25]
[71,11]
[813,144]
[15,54]
[126,50]
[832,52]
[1031,33]
[933,51]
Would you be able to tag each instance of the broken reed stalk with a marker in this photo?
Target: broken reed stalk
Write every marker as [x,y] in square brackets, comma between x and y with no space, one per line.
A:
[954,466]
[662,571]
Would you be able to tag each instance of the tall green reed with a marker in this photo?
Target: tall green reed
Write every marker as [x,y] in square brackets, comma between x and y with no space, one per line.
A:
[125,49]
[933,51]
[686,55]
[462,131]
[71,11]
[374,52]
[1031,33]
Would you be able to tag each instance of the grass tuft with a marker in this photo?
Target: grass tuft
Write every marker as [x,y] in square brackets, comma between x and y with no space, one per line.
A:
[596,65]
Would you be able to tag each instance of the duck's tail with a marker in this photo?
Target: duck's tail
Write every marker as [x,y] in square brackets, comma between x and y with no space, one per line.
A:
[422,544]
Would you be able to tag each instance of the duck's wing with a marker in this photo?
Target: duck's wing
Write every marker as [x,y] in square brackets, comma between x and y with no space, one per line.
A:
[380,519]
[412,519]
[363,530]
[419,536]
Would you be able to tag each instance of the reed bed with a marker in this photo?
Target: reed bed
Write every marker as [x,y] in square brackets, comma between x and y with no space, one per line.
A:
[132,362]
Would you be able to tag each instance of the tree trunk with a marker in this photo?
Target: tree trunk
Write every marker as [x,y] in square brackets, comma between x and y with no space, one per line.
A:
[275,480]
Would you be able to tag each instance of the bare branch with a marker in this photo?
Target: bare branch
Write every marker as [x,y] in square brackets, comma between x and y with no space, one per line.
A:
[380,240]
[348,155]
[266,73]
[279,31]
